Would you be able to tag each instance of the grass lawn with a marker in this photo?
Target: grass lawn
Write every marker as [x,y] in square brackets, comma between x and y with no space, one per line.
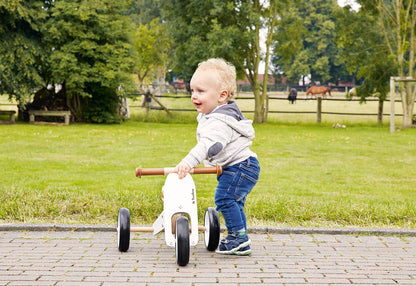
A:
[312,175]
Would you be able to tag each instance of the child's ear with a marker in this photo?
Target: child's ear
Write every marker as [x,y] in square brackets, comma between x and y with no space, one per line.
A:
[223,96]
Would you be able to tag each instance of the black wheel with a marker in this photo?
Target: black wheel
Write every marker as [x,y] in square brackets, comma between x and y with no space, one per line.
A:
[123,229]
[182,246]
[212,229]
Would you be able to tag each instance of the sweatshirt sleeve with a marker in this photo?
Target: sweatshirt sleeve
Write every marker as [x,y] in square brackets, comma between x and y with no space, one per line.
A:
[213,135]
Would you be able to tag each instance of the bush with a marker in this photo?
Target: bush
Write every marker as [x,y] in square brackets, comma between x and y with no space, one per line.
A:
[102,107]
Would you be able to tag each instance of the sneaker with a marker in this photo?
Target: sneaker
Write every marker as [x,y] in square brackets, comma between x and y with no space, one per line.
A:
[234,243]
[243,251]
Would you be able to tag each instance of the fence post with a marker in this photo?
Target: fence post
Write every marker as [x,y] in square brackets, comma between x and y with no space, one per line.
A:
[392,99]
[319,109]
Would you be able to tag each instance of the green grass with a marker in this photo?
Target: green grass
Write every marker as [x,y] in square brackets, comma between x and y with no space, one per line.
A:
[312,175]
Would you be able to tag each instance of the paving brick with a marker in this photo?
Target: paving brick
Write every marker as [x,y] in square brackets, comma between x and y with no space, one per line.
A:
[91,258]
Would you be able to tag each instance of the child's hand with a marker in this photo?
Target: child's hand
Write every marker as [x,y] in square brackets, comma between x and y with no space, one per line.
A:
[182,169]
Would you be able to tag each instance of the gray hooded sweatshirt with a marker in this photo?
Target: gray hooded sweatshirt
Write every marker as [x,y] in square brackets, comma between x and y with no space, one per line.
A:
[224,137]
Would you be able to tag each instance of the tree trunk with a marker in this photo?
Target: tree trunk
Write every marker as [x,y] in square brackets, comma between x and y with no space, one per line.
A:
[270,29]
[141,78]
[20,112]
[259,109]
[380,111]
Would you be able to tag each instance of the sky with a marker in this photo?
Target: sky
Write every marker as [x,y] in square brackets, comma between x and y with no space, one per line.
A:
[352,3]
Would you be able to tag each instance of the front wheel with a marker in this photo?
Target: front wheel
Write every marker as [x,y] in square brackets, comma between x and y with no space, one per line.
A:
[182,246]
[212,229]
[123,229]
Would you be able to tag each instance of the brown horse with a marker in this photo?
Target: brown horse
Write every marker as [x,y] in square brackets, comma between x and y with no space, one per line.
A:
[313,90]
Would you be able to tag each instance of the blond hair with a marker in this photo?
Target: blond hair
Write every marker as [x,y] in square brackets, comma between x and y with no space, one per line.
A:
[225,72]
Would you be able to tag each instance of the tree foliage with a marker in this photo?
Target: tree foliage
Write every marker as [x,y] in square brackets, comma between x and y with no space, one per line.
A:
[83,46]
[151,41]
[144,11]
[203,29]
[305,41]
[398,23]
[21,49]
[362,49]
[195,33]
[152,45]
[89,43]
[390,39]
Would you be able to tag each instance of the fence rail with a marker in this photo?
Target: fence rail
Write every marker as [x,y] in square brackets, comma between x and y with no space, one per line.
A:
[318,111]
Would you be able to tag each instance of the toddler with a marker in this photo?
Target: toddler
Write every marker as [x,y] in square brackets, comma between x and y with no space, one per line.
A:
[223,137]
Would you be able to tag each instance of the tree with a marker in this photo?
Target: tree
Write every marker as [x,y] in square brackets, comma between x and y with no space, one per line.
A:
[90,51]
[152,43]
[362,49]
[305,41]
[21,50]
[227,29]
[397,20]
[144,11]
[82,46]
[270,16]
[152,46]
[288,38]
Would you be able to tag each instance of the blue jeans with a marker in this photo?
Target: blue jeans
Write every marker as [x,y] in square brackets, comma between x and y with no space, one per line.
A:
[234,184]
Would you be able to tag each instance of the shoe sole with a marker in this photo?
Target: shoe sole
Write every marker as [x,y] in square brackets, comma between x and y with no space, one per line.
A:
[243,253]
[235,250]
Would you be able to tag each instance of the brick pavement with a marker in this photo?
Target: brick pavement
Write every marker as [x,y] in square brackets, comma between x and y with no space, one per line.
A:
[91,258]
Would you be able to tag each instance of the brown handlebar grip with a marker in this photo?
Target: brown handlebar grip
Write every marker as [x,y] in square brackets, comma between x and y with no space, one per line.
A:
[149,171]
[164,171]
[207,170]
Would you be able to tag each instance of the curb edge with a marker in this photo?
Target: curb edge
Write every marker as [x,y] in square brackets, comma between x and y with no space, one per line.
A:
[254,229]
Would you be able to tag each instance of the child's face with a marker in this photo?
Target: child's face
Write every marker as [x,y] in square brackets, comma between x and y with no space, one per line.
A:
[206,93]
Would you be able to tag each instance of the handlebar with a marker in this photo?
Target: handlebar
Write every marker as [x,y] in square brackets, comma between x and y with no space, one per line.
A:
[165,171]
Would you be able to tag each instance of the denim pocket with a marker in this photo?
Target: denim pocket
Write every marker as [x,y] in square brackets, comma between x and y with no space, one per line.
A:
[227,178]
[252,170]
[248,178]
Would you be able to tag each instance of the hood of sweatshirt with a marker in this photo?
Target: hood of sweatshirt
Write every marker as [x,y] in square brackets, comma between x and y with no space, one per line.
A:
[231,115]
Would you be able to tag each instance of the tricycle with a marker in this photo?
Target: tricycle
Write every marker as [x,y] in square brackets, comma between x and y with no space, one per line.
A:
[179,206]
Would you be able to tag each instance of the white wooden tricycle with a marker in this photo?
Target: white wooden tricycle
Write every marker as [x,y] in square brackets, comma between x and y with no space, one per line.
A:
[179,204]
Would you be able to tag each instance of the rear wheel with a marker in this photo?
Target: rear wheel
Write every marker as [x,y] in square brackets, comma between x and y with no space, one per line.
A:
[182,246]
[212,229]
[123,230]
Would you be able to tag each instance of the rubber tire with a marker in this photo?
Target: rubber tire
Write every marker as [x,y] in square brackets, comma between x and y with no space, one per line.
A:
[123,230]
[212,229]
[182,246]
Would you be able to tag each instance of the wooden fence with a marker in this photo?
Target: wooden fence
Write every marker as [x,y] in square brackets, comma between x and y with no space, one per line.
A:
[318,111]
